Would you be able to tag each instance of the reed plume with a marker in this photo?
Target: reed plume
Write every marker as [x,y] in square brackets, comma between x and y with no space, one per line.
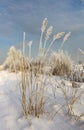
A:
[58,36]
[44,24]
[65,39]
[48,33]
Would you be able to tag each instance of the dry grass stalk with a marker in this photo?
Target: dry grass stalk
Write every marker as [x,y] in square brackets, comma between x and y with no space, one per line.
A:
[82,52]
[23,88]
[56,37]
[24,34]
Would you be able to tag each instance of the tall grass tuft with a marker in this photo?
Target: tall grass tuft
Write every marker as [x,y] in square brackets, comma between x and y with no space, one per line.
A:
[33,98]
[33,88]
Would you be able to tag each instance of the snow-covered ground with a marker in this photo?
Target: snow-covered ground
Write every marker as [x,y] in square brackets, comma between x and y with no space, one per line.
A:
[11,117]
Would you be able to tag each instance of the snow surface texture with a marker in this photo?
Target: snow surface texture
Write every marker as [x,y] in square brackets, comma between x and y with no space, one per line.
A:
[11,117]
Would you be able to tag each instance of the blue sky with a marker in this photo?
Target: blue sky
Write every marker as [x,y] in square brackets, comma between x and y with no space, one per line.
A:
[17,16]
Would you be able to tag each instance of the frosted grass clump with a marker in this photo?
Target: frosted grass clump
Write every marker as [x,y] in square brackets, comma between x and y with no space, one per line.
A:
[61,63]
[13,60]
[78,73]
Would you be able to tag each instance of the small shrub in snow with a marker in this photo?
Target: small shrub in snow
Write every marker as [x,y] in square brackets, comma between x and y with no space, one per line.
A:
[13,60]
[78,73]
[61,63]
[72,95]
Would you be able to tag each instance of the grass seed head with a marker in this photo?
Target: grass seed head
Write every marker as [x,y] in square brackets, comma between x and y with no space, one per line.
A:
[58,36]
[44,24]
[49,31]
[66,37]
